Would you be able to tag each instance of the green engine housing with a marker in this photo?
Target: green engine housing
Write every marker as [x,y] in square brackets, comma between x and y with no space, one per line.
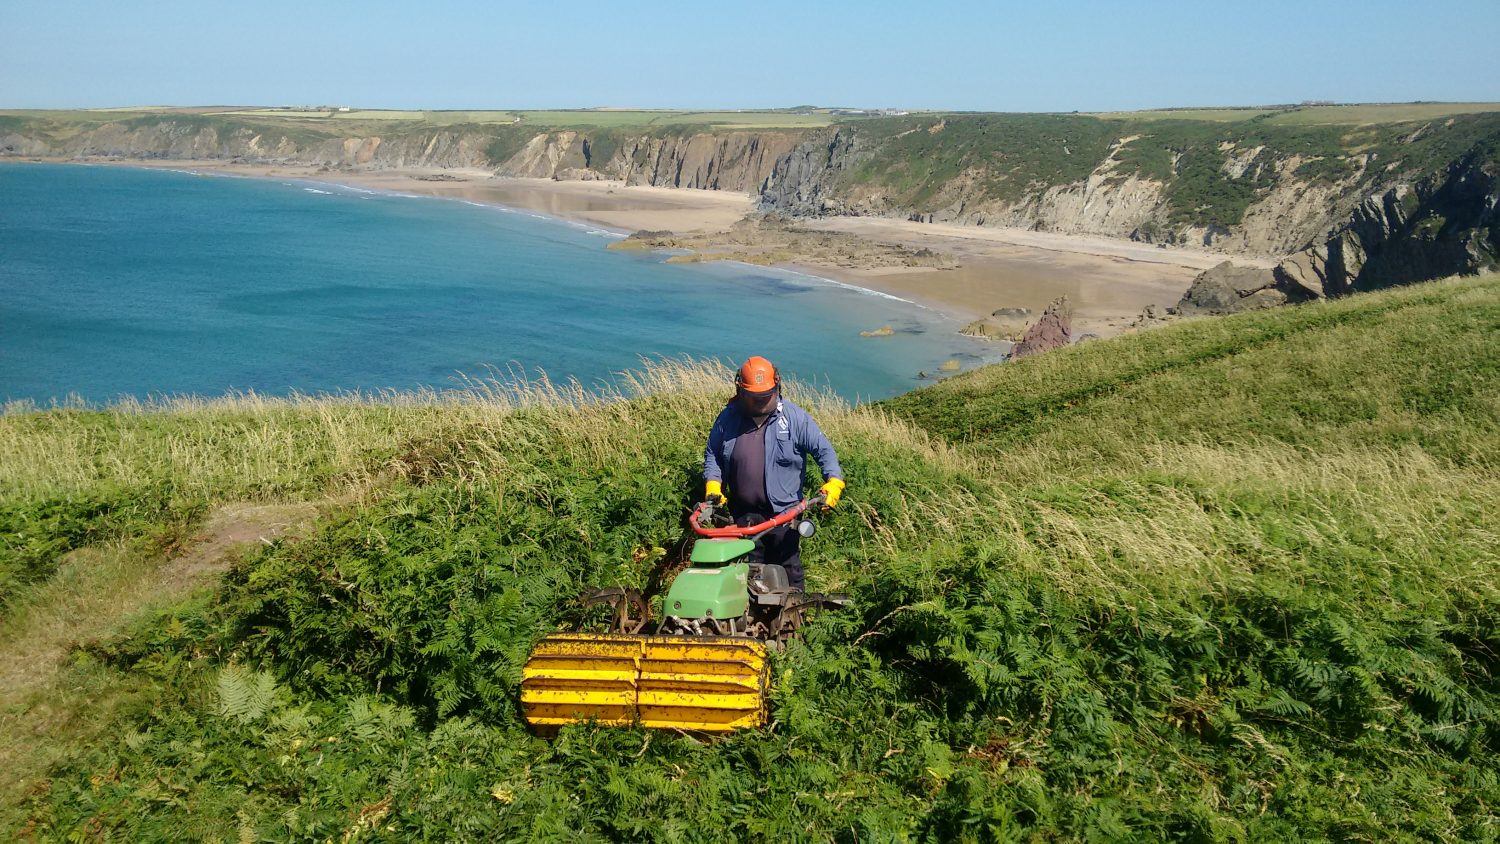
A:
[714,586]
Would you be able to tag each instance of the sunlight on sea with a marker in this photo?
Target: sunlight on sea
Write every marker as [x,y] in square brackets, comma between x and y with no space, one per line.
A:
[119,281]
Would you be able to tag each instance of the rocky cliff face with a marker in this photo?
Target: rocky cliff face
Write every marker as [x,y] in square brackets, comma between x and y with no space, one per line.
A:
[735,161]
[196,140]
[805,182]
[1446,224]
[814,179]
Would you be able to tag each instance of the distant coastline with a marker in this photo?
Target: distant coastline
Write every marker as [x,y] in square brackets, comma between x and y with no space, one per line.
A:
[1108,281]
[310,286]
[641,208]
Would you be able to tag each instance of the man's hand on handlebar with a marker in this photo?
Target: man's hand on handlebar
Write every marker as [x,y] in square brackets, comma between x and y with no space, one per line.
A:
[831,491]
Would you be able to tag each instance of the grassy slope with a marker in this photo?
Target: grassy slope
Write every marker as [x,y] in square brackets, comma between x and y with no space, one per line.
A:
[1233,579]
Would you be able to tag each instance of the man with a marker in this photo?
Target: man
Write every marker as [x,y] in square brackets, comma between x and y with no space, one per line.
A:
[758,448]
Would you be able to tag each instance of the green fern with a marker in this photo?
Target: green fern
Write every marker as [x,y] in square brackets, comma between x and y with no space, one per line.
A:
[246,696]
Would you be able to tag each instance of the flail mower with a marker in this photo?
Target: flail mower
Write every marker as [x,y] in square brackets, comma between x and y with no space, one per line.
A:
[700,666]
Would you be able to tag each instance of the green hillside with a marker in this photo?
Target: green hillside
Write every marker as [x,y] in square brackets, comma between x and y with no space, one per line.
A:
[918,164]
[1233,579]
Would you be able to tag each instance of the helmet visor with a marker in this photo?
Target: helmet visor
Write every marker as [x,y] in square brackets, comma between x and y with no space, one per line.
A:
[756,404]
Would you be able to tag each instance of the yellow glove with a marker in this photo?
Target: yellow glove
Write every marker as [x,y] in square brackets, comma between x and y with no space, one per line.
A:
[834,489]
[713,492]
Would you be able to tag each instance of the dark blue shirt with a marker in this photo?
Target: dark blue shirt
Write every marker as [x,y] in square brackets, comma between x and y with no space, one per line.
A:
[747,473]
[790,437]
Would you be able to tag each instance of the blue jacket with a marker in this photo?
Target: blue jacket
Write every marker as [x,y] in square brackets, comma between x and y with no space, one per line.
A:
[791,435]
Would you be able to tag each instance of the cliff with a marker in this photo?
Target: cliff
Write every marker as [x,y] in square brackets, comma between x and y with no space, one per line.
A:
[1445,224]
[1236,188]
[1350,207]
[733,161]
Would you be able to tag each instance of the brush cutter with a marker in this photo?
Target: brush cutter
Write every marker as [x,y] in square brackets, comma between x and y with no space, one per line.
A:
[701,665]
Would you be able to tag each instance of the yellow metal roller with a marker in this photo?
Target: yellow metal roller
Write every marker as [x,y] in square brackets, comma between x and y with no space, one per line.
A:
[662,682]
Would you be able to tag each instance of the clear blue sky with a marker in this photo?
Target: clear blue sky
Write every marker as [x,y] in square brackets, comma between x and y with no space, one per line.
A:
[1024,56]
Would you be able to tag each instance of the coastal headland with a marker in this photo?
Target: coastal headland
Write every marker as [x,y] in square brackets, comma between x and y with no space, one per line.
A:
[1119,212]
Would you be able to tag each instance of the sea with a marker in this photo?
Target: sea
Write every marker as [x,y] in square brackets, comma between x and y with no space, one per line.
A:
[132,282]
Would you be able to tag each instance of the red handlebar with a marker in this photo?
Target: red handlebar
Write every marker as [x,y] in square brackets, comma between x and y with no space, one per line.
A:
[737,532]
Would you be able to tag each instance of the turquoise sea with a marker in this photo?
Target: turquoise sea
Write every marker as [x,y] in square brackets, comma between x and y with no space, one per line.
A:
[117,281]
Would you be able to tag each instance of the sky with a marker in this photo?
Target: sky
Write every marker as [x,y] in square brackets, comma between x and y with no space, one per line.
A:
[996,56]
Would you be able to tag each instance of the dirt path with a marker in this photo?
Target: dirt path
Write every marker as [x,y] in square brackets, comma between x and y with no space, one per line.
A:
[94,592]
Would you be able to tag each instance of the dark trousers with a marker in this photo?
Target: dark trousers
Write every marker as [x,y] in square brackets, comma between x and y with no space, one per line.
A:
[781,546]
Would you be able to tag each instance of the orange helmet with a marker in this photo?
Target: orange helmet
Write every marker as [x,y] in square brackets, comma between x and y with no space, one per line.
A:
[757,375]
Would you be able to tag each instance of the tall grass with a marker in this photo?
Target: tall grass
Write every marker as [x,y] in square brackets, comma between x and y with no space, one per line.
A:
[1229,580]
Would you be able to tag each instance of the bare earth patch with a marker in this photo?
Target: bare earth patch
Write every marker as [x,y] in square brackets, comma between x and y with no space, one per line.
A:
[96,590]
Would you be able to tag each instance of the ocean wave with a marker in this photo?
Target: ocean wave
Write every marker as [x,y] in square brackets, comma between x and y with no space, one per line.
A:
[847,286]
[315,190]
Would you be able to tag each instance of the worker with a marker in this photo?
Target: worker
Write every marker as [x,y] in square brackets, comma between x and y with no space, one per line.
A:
[758,450]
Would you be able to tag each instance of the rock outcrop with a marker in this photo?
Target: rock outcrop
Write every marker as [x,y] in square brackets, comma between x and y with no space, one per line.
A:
[1230,289]
[1053,331]
[1001,324]
[771,240]
[577,174]
[1150,316]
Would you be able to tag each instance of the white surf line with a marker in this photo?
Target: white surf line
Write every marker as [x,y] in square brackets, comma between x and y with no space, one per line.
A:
[943,316]
[587,228]
[836,283]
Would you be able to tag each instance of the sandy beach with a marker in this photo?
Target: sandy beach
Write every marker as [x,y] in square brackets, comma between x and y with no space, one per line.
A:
[1107,281]
[608,204]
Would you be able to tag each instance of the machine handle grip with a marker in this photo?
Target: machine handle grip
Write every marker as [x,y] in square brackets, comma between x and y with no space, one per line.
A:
[738,532]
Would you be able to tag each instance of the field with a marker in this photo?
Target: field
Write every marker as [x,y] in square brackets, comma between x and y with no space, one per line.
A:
[555,119]
[432,118]
[1216,115]
[801,118]
[1233,579]
[567,119]
[715,119]
[1320,115]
